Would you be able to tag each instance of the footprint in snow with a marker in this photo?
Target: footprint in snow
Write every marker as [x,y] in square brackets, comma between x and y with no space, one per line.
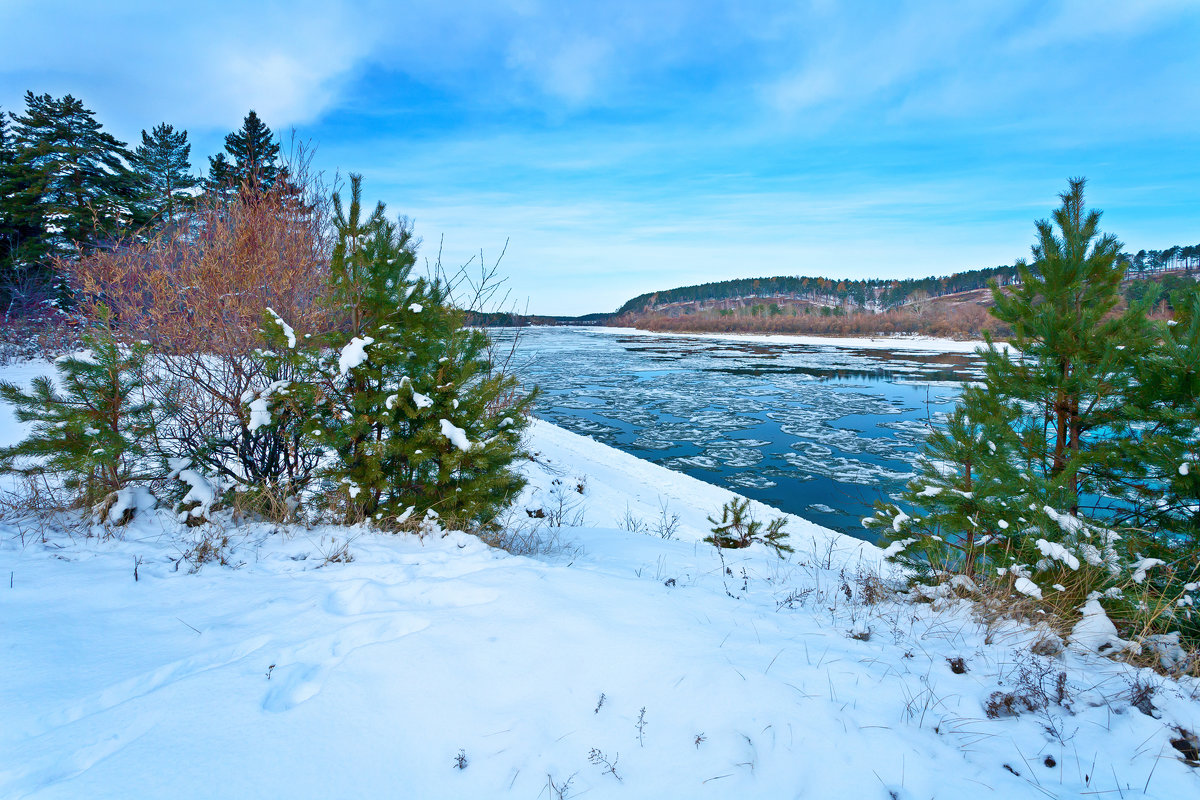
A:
[301,672]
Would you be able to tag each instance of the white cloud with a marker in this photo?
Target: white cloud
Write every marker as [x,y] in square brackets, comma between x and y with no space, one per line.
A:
[199,66]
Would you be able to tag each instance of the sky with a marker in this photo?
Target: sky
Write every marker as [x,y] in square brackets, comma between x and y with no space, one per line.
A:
[609,149]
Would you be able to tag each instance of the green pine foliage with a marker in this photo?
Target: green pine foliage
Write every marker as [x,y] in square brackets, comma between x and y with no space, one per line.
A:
[92,428]
[964,491]
[220,181]
[24,239]
[1067,473]
[1165,457]
[412,414]
[738,528]
[162,172]
[253,158]
[1077,353]
[78,170]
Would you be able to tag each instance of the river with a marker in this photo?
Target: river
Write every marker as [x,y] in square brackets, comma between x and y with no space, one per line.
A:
[818,430]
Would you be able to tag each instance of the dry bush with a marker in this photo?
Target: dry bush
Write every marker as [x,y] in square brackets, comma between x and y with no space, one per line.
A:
[200,286]
[198,290]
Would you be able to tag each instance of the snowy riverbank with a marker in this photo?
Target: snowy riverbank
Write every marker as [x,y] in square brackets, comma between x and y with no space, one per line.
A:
[287,674]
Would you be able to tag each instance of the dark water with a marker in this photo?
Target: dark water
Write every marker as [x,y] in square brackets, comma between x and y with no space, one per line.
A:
[819,431]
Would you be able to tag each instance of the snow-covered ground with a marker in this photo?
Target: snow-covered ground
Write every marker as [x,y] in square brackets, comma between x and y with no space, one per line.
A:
[899,342]
[614,664]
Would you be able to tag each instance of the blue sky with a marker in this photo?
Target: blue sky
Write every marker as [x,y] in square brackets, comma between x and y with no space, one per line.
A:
[621,147]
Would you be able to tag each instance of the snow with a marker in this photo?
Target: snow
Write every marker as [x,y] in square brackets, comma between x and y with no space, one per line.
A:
[423,401]
[897,547]
[353,354]
[1142,567]
[200,490]
[260,404]
[456,435]
[137,499]
[287,329]
[1057,552]
[1028,588]
[291,673]
[1095,632]
[1069,523]
[416,308]
[260,414]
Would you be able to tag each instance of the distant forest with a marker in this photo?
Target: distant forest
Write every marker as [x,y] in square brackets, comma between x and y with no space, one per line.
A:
[882,295]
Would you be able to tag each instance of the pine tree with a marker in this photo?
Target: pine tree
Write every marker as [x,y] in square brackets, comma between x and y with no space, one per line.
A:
[93,432]
[253,154]
[1077,355]
[1046,432]
[1163,462]
[220,181]
[363,288]
[85,187]
[964,490]
[162,172]
[738,528]
[23,235]
[408,404]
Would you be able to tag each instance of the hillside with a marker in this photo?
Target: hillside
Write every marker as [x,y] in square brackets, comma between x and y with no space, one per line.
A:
[948,306]
[340,662]
[870,294]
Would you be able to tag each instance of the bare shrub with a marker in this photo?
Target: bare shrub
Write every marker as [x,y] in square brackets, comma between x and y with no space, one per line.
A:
[198,290]
[1036,685]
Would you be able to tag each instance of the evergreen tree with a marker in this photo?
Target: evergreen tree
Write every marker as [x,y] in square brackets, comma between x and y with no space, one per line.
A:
[1163,459]
[85,187]
[407,403]
[1072,463]
[253,154]
[363,288]
[964,488]
[23,235]
[93,432]
[162,172]
[220,181]
[1077,354]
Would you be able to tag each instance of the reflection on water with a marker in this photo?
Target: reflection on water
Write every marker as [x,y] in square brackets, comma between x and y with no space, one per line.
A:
[819,431]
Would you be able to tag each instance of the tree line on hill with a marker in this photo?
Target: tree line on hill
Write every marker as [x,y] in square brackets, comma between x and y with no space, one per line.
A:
[68,187]
[882,295]
[860,293]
